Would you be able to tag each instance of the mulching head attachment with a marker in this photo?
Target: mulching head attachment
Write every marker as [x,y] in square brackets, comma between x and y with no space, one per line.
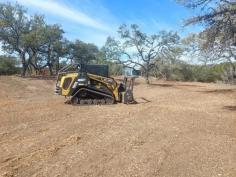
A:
[128,94]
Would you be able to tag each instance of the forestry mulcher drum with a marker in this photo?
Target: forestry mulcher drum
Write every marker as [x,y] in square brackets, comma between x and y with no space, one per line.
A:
[90,84]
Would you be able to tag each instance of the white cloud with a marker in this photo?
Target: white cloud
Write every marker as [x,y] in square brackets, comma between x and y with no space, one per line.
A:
[59,9]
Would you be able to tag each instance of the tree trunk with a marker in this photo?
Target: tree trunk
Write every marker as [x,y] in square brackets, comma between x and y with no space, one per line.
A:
[49,61]
[34,62]
[234,71]
[147,77]
[24,69]
[57,65]
[233,67]
[147,74]
[30,70]
[24,64]
[50,69]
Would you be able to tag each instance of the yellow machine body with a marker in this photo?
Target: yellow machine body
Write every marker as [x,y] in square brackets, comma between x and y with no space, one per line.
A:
[66,91]
[110,83]
[82,87]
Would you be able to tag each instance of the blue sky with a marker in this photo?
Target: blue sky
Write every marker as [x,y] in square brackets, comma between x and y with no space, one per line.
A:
[94,20]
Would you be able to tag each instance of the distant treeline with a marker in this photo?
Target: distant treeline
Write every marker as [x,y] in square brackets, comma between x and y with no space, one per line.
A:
[180,71]
[10,66]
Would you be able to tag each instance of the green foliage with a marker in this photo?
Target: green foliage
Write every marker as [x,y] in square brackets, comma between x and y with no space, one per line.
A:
[205,73]
[181,71]
[8,65]
[115,69]
[38,44]
[13,26]
[82,52]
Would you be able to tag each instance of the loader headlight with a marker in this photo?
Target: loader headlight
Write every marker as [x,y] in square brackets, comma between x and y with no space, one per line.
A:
[75,85]
[81,80]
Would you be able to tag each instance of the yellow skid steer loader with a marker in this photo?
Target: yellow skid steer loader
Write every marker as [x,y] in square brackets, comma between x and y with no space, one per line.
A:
[90,84]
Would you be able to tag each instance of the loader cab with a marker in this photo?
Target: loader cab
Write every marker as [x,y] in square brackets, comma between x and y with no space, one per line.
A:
[95,69]
[74,76]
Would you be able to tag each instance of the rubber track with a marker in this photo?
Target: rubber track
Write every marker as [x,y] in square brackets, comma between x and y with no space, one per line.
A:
[108,101]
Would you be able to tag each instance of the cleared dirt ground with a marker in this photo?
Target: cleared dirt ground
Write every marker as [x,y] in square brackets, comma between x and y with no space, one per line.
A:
[177,129]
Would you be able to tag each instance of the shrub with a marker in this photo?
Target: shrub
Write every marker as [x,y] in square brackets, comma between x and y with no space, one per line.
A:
[8,65]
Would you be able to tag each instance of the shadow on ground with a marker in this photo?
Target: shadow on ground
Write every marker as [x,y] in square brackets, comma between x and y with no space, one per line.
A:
[230,108]
[142,100]
[174,85]
[223,91]
[39,77]
[162,85]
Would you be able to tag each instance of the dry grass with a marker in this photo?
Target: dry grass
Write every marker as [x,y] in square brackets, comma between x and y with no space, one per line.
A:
[177,129]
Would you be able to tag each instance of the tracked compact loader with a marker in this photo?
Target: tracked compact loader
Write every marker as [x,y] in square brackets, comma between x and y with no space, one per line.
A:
[90,84]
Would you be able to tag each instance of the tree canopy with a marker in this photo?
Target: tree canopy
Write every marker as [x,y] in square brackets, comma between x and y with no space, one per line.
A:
[38,44]
[136,48]
[219,19]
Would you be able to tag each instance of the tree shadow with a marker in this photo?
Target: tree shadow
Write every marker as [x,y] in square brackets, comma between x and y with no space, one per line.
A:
[39,77]
[161,85]
[142,100]
[177,84]
[189,85]
[219,91]
[230,108]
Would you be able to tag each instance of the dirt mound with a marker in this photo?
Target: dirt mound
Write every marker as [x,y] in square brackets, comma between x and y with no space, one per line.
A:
[176,129]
